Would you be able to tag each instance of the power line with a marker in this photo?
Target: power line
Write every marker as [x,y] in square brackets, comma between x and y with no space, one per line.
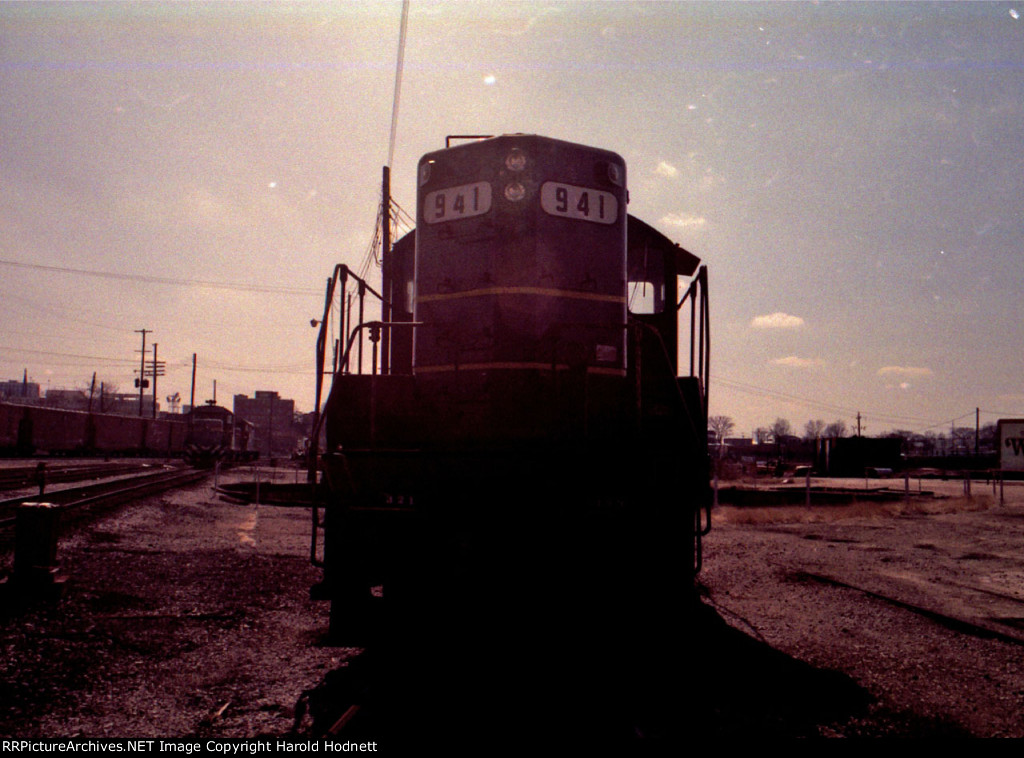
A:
[877,417]
[754,390]
[129,361]
[165,279]
[85,360]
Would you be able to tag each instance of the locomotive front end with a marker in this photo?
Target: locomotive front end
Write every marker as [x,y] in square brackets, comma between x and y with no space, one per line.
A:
[521,459]
[519,286]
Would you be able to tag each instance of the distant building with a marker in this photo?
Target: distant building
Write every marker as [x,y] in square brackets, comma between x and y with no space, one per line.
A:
[274,419]
[853,456]
[75,400]
[14,389]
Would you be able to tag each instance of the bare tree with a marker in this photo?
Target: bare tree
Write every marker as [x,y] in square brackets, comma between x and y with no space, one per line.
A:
[781,428]
[905,436]
[722,426]
[814,430]
[836,429]
[963,440]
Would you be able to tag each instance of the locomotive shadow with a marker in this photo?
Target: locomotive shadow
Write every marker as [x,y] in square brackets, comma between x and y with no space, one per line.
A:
[468,694]
[747,688]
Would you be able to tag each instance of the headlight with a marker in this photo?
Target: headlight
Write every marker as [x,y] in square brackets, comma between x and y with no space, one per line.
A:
[515,160]
[515,192]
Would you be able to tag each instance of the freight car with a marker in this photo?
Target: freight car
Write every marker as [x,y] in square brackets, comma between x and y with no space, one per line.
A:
[519,451]
[216,434]
[27,430]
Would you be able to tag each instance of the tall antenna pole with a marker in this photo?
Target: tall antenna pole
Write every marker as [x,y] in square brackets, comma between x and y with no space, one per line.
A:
[398,79]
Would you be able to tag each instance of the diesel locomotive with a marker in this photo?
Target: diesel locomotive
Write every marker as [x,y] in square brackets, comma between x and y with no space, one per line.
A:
[511,443]
[215,435]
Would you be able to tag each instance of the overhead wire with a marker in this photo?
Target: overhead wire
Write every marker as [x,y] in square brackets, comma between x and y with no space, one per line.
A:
[148,279]
[916,422]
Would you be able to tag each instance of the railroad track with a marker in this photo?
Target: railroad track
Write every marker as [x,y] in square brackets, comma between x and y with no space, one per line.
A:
[18,477]
[103,493]
[969,620]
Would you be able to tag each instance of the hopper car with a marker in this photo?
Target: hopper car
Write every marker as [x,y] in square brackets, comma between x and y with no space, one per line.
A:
[29,430]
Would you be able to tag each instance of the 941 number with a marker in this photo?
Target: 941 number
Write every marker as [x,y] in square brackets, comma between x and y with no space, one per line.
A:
[580,203]
[464,201]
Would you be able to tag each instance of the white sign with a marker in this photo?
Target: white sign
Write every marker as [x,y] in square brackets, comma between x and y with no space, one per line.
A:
[453,203]
[1011,444]
[581,203]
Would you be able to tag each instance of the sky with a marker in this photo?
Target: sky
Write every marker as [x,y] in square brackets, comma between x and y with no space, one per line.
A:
[852,174]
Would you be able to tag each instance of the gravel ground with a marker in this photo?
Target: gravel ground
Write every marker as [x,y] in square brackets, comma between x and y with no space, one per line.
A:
[837,588]
[188,616]
[183,616]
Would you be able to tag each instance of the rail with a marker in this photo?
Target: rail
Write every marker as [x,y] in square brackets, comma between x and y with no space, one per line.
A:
[47,472]
[121,489]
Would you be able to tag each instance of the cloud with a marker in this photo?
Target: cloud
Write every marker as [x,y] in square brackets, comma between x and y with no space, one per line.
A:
[684,220]
[777,320]
[666,169]
[904,371]
[793,361]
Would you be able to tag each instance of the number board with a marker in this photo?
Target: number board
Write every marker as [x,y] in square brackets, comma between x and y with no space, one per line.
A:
[580,203]
[453,203]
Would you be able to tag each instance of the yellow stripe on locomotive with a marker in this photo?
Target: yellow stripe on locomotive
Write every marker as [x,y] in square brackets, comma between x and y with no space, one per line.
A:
[520,264]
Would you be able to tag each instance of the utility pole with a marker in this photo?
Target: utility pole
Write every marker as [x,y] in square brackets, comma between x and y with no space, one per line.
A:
[977,429]
[858,423]
[156,373]
[142,366]
[192,396]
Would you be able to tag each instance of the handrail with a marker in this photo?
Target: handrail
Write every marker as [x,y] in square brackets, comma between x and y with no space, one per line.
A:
[700,329]
[348,333]
[341,274]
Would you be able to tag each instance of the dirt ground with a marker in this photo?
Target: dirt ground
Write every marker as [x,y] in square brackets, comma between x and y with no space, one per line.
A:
[915,607]
[188,616]
[183,615]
